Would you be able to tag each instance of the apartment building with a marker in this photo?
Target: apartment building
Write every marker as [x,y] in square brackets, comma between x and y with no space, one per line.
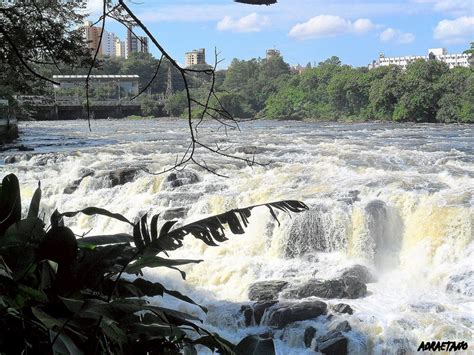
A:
[197,56]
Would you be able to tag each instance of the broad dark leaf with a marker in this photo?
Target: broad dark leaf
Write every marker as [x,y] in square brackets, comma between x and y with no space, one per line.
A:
[156,261]
[35,203]
[212,229]
[255,345]
[10,202]
[92,211]
[107,239]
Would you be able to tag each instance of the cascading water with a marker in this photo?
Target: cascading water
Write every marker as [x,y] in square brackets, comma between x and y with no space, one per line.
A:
[395,198]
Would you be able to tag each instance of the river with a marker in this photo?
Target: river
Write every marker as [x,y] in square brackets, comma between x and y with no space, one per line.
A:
[396,198]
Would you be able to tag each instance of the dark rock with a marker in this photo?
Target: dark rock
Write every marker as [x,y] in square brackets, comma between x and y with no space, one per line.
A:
[309,334]
[359,272]
[343,308]
[247,312]
[333,344]
[122,176]
[73,186]
[351,197]
[266,335]
[344,326]
[259,309]
[338,288]
[180,178]
[10,160]
[283,314]
[24,148]
[461,283]
[175,213]
[266,290]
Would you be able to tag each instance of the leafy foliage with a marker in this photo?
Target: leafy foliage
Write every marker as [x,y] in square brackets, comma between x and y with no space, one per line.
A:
[59,294]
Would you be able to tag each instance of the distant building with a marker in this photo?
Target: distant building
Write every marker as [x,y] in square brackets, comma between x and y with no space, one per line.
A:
[440,54]
[297,69]
[197,56]
[128,84]
[272,53]
[119,48]
[92,36]
[135,44]
[108,44]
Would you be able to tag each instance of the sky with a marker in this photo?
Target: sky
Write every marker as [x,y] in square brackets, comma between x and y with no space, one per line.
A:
[305,30]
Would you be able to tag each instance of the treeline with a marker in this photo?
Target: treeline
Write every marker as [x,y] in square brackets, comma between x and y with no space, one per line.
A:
[427,91]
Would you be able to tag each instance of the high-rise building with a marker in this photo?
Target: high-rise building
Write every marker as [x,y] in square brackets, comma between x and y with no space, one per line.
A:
[108,44]
[440,54]
[136,43]
[197,56]
[119,48]
[272,53]
[92,36]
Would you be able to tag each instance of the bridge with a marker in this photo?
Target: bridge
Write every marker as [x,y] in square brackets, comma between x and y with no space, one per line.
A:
[42,108]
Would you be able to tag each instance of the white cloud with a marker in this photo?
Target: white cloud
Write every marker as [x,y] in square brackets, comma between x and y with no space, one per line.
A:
[454,7]
[455,31]
[329,26]
[397,36]
[249,23]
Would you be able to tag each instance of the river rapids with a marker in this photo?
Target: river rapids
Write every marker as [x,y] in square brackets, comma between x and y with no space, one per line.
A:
[395,198]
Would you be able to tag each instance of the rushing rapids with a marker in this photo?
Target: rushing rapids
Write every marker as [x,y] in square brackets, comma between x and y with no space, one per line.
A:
[395,198]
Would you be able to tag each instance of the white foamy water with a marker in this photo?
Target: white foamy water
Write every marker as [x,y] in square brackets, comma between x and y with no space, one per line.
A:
[397,198]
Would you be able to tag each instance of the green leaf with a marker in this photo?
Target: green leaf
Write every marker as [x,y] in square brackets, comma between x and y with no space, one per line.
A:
[106,239]
[91,211]
[49,321]
[10,202]
[156,261]
[255,345]
[35,203]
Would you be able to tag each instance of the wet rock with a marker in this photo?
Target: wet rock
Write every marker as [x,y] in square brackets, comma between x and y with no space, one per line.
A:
[426,307]
[360,272]
[259,309]
[309,334]
[10,160]
[122,176]
[73,186]
[175,213]
[286,313]
[461,283]
[24,148]
[351,197]
[266,290]
[180,178]
[338,288]
[334,343]
[247,312]
[343,308]
[344,327]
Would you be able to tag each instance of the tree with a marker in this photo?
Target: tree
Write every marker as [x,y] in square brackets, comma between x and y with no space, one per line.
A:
[37,33]
[470,52]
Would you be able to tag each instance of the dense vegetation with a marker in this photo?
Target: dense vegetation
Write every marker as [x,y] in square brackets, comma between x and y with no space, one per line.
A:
[64,294]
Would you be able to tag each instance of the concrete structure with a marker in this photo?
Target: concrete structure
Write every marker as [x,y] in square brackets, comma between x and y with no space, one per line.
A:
[441,54]
[135,43]
[272,53]
[8,123]
[127,84]
[197,56]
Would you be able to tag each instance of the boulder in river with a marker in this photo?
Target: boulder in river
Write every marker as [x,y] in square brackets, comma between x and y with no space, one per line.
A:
[309,334]
[344,326]
[333,343]
[174,213]
[73,186]
[462,283]
[359,272]
[259,309]
[266,290]
[343,308]
[247,312]
[338,288]
[180,178]
[283,314]
[122,176]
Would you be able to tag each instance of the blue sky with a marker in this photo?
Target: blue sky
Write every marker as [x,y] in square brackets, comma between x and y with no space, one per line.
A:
[307,30]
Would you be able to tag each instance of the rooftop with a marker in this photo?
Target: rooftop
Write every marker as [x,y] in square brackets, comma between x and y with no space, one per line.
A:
[96,77]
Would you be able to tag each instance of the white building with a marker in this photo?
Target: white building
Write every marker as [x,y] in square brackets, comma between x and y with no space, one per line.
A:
[441,54]
[119,48]
[108,44]
[197,56]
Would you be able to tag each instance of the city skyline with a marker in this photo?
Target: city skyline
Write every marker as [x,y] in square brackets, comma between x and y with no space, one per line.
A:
[308,30]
